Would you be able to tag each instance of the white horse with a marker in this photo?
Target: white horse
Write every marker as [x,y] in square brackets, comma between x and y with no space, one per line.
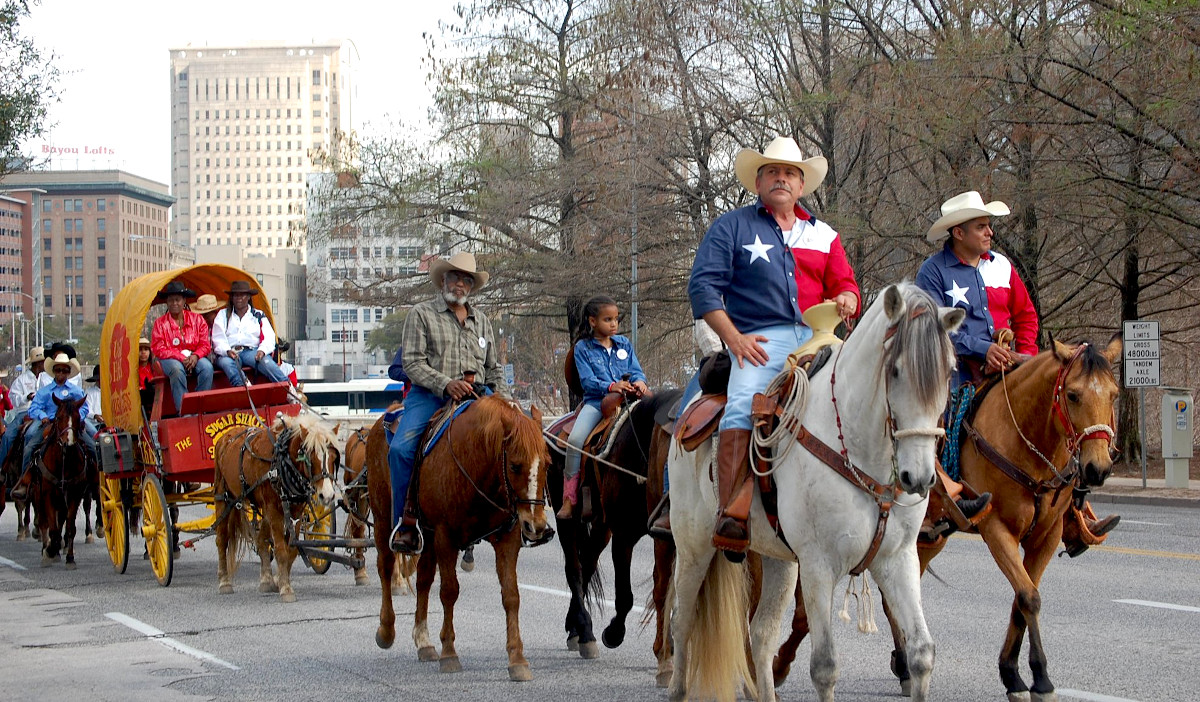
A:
[887,384]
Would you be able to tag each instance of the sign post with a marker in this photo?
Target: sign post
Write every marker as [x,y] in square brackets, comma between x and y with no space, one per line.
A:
[1140,341]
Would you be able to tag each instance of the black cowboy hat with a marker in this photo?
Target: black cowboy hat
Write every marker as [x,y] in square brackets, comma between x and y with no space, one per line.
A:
[241,286]
[283,345]
[174,288]
[61,347]
[95,376]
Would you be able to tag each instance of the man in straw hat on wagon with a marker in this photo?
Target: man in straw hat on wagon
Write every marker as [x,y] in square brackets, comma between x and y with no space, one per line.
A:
[243,336]
[43,410]
[756,270]
[443,339]
[1000,329]
[179,340]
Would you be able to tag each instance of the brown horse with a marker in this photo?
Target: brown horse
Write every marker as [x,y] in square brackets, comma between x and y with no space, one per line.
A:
[277,472]
[483,480]
[61,477]
[620,514]
[1038,434]
[356,499]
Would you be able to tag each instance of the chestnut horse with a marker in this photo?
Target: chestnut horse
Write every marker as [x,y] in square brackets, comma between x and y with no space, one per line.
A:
[483,480]
[1049,422]
[61,476]
[277,471]
[620,513]
[356,499]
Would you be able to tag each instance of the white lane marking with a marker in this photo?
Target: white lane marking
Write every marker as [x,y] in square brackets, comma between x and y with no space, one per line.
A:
[160,636]
[11,564]
[567,595]
[1160,605]
[1091,696]
[1134,521]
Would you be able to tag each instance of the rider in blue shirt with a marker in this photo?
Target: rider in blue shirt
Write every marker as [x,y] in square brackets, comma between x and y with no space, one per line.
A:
[43,410]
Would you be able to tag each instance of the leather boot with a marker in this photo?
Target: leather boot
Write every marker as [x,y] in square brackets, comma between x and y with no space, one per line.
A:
[735,493]
[20,491]
[1081,529]
[406,537]
[570,497]
[659,526]
[949,510]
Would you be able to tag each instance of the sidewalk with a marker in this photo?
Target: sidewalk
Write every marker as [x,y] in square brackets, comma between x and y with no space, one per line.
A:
[1130,491]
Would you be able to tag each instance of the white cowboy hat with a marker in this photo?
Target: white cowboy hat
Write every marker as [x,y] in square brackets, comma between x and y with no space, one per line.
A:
[463,262]
[963,208]
[781,150]
[37,353]
[63,359]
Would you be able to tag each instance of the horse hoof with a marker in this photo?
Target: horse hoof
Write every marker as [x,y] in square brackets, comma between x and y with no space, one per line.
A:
[589,650]
[1050,696]
[450,665]
[613,636]
[287,596]
[21,536]
[427,654]
[520,673]
[47,561]
[268,587]
[572,643]
[90,539]
[360,581]
[225,589]
[662,679]
[906,688]
[1021,696]
[382,640]
[71,565]
[468,566]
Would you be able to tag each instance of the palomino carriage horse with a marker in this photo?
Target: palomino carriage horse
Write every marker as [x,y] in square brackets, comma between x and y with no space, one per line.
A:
[61,477]
[623,499]
[875,407]
[356,498]
[482,480]
[1036,438]
[277,470]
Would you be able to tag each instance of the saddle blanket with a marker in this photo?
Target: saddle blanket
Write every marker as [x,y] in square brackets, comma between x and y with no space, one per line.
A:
[441,427]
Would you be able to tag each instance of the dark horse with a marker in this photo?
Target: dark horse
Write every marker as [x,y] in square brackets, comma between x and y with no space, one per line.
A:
[60,480]
[620,514]
[483,480]
[356,499]
[1038,434]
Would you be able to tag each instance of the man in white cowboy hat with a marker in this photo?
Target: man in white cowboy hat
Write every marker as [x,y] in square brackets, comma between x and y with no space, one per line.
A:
[757,269]
[443,338]
[243,336]
[967,273]
[180,341]
[43,410]
[22,392]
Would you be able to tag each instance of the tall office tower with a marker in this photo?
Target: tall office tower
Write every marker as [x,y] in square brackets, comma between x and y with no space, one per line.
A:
[246,124]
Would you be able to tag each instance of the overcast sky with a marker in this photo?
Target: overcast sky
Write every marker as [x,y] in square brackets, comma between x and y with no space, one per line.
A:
[115,89]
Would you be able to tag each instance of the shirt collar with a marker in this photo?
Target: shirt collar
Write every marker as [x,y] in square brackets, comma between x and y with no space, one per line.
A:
[467,304]
[951,259]
[801,213]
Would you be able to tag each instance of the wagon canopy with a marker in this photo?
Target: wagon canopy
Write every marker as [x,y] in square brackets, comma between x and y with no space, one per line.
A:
[126,320]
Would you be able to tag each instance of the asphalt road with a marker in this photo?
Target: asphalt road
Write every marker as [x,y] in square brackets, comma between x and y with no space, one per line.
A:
[1120,623]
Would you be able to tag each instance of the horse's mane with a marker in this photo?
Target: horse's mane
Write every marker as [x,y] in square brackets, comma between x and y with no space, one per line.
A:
[1093,361]
[910,346]
[316,432]
[525,438]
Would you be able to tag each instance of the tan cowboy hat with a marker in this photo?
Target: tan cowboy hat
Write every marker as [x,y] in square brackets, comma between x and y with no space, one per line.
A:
[206,303]
[463,262]
[63,359]
[37,353]
[143,341]
[963,208]
[781,150]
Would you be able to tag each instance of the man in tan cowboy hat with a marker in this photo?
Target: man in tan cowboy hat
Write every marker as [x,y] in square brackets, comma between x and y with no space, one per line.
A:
[243,336]
[42,411]
[756,270]
[22,392]
[443,338]
[967,273]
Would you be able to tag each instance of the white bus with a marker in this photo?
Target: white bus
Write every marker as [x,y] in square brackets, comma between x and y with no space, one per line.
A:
[361,398]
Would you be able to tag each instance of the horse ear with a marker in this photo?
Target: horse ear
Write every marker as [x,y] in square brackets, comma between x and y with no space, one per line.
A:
[1113,351]
[951,318]
[336,427]
[1062,351]
[536,414]
[893,303]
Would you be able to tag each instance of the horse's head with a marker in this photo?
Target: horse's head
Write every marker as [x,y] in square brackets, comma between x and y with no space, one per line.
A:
[315,453]
[67,424]
[918,358]
[526,458]
[1084,396]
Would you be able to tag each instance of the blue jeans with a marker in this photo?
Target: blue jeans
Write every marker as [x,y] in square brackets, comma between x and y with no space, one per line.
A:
[744,382]
[11,432]
[34,439]
[419,406]
[246,357]
[177,374]
[589,417]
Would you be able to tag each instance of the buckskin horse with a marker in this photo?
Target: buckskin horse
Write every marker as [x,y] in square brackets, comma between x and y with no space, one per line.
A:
[483,480]
[1038,434]
[623,502]
[277,471]
[60,480]
[852,467]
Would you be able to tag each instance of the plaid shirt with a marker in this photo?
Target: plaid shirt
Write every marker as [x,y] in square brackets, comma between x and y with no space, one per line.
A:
[437,349]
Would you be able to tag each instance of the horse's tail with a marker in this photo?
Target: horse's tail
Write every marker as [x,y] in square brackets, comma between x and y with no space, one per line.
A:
[717,666]
[239,543]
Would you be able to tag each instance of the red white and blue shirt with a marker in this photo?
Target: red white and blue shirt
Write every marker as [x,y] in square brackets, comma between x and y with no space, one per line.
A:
[992,295]
[763,276]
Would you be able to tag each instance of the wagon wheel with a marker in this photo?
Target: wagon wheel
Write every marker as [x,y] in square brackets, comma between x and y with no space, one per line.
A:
[116,536]
[320,522]
[156,529]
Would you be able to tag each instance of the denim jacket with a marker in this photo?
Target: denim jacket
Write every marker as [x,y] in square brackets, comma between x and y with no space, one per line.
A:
[599,367]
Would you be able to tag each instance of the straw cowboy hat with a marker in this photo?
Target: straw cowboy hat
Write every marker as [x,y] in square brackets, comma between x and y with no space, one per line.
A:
[242,287]
[174,288]
[206,303]
[143,341]
[963,208]
[781,150]
[37,353]
[463,262]
[63,359]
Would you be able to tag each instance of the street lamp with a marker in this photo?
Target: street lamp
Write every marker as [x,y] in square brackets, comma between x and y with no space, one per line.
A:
[70,312]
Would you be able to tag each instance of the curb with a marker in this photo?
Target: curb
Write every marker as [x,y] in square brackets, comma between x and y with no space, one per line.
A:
[1119,498]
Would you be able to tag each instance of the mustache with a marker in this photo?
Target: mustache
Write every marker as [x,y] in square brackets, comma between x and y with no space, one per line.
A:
[781,186]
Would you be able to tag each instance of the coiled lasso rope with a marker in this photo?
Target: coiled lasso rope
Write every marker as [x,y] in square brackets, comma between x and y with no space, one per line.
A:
[781,439]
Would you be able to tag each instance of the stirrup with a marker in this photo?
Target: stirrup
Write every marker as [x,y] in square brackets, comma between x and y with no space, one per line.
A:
[659,524]
[398,542]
